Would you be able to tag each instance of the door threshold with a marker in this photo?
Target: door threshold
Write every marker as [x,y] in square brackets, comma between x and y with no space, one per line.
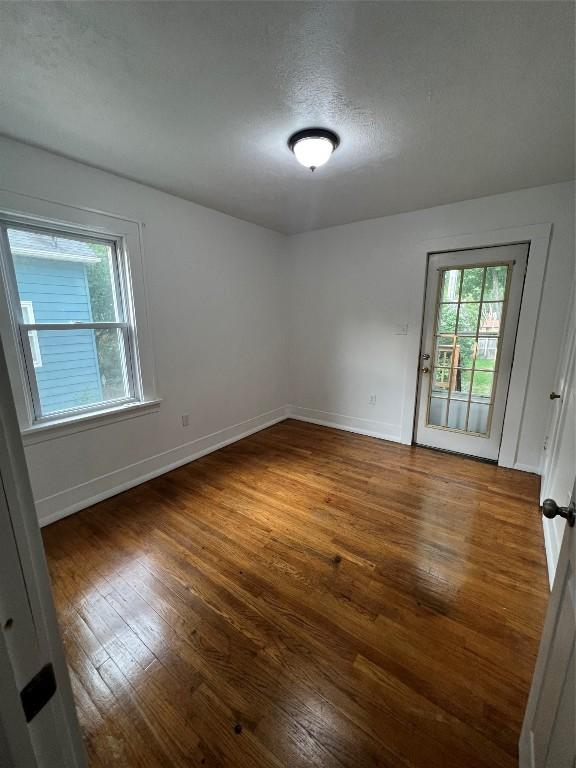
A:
[457,453]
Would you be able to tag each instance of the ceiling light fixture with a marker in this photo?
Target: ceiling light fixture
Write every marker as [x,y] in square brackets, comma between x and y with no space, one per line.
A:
[313,146]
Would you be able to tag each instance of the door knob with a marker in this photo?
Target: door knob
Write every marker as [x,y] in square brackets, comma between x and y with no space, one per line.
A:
[554,396]
[550,509]
[425,369]
[425,356]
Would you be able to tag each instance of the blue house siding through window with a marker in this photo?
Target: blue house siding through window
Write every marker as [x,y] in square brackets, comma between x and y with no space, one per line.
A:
[69,374]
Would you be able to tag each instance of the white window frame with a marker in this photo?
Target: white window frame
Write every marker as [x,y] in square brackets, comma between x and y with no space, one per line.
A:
[29,318]
[122,298]
[126,238]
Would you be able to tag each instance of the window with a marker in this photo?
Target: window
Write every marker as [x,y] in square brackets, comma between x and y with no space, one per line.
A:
[70,298]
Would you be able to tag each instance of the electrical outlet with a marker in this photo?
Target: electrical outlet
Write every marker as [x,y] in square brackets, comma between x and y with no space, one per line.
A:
[372,400]
[186,420]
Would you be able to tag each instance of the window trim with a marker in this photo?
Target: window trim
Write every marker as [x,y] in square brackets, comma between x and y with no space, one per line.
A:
[126,235]
[41,432]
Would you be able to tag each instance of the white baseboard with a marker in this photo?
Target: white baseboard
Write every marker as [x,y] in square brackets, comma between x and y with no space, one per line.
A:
[378,429]
[64,503]
[534,470]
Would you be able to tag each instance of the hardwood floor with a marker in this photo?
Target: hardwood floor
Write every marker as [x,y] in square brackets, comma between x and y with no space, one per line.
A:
[305,597]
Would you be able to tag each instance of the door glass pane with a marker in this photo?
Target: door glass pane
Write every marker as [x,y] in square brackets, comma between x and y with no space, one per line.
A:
[491,317]
[486,350]
[68,280]
[444,351]
[461,381]
[457,413]
[447,318]
[467,340]
[465,351]
[495,287]
[478,418]
[468,318]
[482,385]
[472,284]
[79,368]
[441,381]
[451,284]
[437,413]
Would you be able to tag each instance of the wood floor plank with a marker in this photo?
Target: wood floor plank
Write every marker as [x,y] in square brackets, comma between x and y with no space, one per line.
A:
[305,597]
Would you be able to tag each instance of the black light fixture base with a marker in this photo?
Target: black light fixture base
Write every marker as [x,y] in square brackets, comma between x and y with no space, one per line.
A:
[309,133]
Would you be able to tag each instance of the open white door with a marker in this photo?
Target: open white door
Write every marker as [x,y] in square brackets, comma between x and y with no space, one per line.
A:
[548,737]
[38,725]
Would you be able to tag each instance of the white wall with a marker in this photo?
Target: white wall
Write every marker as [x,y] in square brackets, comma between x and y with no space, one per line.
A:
[245,321]
[352,287]
[217,317]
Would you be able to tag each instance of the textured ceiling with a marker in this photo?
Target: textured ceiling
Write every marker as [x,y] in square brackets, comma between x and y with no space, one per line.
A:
[434,101]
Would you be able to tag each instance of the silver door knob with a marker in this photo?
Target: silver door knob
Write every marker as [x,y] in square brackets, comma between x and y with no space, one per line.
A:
[425,356]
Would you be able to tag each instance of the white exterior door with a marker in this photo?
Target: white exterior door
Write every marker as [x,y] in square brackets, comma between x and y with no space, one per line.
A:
[471,314]
[38,725]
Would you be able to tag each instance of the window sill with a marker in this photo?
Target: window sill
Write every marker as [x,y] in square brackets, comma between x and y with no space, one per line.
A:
[39,433]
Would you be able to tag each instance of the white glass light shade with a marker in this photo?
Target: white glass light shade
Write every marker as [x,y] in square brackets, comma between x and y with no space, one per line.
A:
[313,151]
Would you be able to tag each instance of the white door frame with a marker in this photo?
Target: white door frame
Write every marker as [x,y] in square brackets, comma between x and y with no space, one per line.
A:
[538,235]
[563,371]
[564,384]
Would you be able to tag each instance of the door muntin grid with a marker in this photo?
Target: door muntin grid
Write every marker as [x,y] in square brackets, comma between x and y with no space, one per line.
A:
[468,332]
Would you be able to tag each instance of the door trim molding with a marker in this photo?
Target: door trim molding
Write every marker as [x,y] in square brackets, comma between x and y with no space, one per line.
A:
[538,235]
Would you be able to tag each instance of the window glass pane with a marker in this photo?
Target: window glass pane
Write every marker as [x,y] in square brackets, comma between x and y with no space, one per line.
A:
[68,280]
[80,367]
[482,385]
[478,418]
[437,413]
[451,285]
[472,284]
[440,381]
[491,317]
[495,286]
[447,318]
[457,413]
[468,318]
